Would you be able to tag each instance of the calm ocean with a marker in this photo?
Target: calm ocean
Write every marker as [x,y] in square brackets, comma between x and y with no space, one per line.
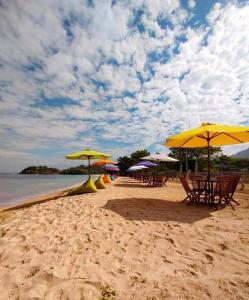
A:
[16,187]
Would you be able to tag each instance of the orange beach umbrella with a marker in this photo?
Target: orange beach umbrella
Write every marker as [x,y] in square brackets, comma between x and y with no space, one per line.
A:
[103,162]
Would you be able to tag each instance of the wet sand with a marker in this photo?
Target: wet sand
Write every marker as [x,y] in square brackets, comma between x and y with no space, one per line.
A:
[125,242]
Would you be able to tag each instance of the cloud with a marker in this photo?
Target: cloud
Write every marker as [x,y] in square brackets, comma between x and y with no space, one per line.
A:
[116,76]
[191,3]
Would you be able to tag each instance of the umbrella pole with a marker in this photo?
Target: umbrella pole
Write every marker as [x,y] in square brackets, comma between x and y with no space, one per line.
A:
[89,171]
[186,155]
[208,163]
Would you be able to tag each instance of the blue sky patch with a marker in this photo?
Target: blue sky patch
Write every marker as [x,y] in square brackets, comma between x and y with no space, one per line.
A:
[55,102]
[34,66]
[137,23]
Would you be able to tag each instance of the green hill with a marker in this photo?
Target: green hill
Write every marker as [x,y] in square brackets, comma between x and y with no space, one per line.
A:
[44,170]
[242,154]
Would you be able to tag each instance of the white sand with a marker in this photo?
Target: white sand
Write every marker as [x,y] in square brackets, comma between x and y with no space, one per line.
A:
[126,242]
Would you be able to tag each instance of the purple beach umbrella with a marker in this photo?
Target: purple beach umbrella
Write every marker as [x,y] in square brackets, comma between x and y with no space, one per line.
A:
[146,164]
[111,167]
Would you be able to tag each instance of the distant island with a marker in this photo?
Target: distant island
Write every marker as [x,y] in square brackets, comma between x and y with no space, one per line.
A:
[45,170]
[40,170]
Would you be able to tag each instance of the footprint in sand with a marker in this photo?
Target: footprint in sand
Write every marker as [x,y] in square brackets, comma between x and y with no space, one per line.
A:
[187,273]
[172,242]
[141,268]
[210,250]
[223,246]
[25,247]
[165,260]
[209,258]
[121,270]
[196,268]
[32,271]
[244,241]
[81,290]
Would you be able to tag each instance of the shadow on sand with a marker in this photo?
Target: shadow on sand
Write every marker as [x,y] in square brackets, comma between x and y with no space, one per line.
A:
[147,209]
[132,185]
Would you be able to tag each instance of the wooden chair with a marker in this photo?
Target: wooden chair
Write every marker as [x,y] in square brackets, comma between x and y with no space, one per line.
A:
[145,178]
[191,195]
[159,181]
[165,179]
[150,181]
[199,186]
[222,190]
[235,179]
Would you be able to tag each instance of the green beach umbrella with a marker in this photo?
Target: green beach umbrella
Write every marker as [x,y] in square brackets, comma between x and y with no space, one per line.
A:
[87,154]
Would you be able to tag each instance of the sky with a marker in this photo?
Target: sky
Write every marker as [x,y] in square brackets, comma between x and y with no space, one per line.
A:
[117,76]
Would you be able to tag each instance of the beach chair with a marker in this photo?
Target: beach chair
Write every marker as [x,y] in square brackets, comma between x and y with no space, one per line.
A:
[191,195]
[235,182]
[157,181]
[145,178]
[199,186]
[161,181]
[222,190]
[151,181]
[165,179]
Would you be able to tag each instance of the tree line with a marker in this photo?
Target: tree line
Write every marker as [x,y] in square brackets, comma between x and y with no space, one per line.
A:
[193,159]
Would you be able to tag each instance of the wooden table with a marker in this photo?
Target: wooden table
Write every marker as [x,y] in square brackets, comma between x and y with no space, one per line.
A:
[205,190]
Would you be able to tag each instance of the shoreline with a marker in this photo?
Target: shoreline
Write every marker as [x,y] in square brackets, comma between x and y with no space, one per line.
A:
[18,199]
[38,198]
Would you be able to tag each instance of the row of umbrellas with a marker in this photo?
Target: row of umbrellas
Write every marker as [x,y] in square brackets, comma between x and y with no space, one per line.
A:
[107,165]
[89,154]
[158,157]
[207,135]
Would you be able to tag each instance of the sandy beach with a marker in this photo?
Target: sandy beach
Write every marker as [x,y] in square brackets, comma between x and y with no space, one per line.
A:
[125,242]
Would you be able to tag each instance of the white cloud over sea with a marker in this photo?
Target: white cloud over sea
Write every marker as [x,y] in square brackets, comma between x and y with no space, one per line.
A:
[116,75]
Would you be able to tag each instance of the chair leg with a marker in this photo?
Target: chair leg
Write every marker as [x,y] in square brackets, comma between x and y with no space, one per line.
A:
[229,202]
[185,199]
[192,199]
[236,202]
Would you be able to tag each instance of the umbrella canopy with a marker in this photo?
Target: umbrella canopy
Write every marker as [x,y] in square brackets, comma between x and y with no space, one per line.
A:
[209,135]
[111,167]
[146,164]
[160,157]
[103,162]
[87,154]
[136,168]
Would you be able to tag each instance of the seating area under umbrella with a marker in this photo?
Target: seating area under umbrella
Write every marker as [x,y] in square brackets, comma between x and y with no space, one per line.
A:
[210,190]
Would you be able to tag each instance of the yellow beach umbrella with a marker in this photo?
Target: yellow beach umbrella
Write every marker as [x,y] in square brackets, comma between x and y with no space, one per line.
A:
[209,135]
[87,154]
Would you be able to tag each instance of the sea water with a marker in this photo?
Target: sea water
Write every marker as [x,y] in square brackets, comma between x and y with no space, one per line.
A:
[17,187]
